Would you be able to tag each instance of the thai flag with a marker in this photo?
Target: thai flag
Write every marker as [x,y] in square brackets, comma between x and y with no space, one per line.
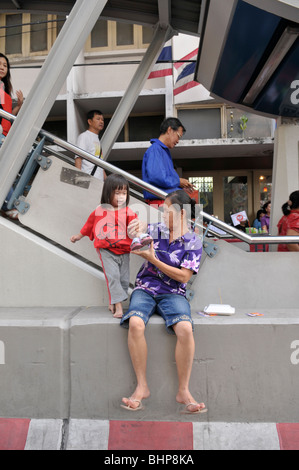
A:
[186,73]
[163,68]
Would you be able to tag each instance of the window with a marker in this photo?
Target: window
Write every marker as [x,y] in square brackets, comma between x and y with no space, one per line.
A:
[110,35]
[143,128]
[203,123]
[60,20]
[205,187]
[244,125]
[13,34]
[38,33]
[124,34]
[235,190]
[29,34]
[99,34]
[147,34]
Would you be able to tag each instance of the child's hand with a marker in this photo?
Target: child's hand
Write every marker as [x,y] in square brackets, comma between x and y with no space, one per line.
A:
[76,238]
[135,227]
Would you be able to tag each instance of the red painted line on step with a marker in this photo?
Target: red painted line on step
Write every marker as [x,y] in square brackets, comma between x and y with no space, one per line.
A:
[288,434]
[13,433]
[150,435]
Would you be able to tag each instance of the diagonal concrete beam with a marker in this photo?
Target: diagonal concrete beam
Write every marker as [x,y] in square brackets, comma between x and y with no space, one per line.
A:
[131,95]
[45,90]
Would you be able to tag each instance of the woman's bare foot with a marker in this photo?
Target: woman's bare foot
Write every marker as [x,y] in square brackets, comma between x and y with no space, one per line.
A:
[118,312]
[135,399]
[185,398]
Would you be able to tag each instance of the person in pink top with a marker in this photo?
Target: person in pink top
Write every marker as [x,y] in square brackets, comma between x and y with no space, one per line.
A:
[289,222]
[6,104]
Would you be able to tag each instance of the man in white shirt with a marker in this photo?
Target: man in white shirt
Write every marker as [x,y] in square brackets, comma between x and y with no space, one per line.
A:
[89,141]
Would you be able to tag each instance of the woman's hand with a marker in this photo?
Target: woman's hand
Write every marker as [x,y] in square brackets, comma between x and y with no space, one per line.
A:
[135,227]
[178,274]
[20,98]
[147,254]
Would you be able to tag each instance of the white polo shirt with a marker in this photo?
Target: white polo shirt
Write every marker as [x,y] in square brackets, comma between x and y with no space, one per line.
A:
[89,141]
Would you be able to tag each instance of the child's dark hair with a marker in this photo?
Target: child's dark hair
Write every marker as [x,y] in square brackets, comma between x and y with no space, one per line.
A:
[111,184]
[7,80]
[183,201]
[259,213]
[294,199]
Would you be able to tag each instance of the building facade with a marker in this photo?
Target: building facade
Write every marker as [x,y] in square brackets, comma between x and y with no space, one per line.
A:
[226,153]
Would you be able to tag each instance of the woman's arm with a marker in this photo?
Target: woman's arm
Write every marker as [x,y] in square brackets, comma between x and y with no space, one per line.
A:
[295,246]
[182,275]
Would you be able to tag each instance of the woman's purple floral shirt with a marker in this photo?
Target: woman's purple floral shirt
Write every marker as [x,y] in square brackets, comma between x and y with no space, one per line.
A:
[184,252]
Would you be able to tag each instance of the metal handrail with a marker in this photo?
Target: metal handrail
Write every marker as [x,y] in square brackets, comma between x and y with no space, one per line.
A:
[265,239]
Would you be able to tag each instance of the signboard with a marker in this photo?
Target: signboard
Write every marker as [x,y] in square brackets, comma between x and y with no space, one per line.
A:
[239,217]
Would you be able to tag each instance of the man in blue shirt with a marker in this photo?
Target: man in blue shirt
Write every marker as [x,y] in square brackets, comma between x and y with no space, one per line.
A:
[157,164]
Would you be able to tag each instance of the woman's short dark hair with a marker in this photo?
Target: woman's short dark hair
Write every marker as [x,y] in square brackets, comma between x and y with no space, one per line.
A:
[182,200]
[111,184]
[172,122]
[266,205]
[294,198]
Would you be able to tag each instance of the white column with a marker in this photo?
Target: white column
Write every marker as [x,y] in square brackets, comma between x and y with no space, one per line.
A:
[75,123]
[285,167]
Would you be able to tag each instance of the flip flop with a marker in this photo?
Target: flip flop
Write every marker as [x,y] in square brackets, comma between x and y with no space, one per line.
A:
[146,239]
[129,408]
[188,412]
[136,245]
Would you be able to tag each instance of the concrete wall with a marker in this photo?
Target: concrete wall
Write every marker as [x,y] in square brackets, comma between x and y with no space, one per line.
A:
[69,362]
[248,280]
[34,273]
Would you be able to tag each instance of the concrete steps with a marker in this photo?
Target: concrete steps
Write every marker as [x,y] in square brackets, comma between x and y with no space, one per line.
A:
[61,363]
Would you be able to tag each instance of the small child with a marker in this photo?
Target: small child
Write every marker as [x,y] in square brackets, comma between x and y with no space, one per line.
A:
[107,226]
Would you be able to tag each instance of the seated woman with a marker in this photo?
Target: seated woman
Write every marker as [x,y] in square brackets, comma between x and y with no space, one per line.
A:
[289,223]
[173,257]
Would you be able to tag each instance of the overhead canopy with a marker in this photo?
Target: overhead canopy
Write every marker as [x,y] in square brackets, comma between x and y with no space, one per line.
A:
[183,16]
[252,61]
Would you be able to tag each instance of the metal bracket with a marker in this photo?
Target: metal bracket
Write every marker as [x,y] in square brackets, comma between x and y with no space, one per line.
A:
[21,206]
[33,160]
[43,162]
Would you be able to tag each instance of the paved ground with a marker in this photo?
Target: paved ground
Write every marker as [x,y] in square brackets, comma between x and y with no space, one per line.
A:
[26,434]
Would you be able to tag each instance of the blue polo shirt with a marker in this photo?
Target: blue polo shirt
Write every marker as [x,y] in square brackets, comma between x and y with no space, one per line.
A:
[158,169]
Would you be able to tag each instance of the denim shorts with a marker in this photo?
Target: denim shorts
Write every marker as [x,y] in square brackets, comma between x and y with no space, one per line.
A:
[173,308]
